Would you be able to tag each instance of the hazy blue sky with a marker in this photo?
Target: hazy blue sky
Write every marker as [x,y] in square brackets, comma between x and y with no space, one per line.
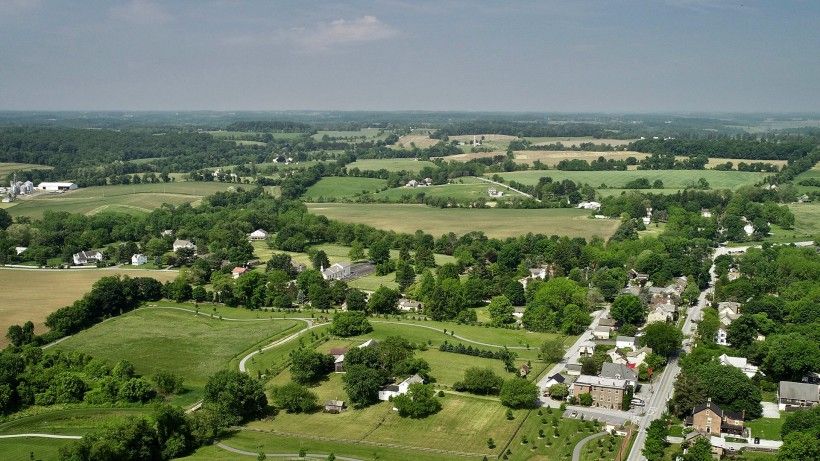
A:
[573,55]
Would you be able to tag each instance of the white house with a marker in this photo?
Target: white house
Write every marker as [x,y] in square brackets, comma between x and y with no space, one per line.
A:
[392,390]
[138,259]
[179,244]
[338,271]
[258,234]
[740,363]
[637,357]
[87,257]
[586,348]
[409,305]
[626,342]
[601,332]
[704,212]
[20,250]
[412,183]
[664,312]
[589,206]
[495,193]
[56,186]
[749,229]
[721,337]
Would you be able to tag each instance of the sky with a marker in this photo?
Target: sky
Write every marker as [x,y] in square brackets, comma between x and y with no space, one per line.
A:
[560,56]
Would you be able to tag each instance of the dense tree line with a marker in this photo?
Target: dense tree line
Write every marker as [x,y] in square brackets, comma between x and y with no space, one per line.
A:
[751,149]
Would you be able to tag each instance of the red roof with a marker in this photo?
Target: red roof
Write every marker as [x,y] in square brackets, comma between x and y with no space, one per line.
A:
[240,270]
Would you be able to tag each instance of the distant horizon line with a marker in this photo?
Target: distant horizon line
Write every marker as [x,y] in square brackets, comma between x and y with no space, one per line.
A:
[415,111]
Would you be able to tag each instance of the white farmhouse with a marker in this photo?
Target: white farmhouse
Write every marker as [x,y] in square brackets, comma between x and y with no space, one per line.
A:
[740,363]
[392,390]
[258,234]
[338,271]
[138,259]
[87,257]
[180,244]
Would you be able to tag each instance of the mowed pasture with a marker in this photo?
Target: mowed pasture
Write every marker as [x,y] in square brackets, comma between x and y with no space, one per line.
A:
[189,345]
[498,223]
[551,158]
[391,164]
[672,179]
[464,189]
[806,224]
[32,294]
[134,198]
[11,167]
[343,186]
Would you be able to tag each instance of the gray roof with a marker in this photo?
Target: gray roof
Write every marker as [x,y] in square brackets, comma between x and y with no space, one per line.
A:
[606,322]
[799,391]
[573,366]
[619,371]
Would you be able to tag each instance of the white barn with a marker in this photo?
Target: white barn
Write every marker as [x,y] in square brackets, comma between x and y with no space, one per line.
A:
[56,186]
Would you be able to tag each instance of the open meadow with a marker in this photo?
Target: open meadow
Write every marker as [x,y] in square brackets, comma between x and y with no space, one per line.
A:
[134,198]
[672,179]
[364,133]
[551,158]
[493,222]
[391,164]
[11,167]
[421,140]
[806,224]
[576,141]
[32,294]
[189,345]
[466,188]
[812,174]
[343,186]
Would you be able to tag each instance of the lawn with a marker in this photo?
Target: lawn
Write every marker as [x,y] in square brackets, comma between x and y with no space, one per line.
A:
[344,186]
[672,179]
[42,449]
[31,294]
[10,167]
[813,173]
[766,428]
[391,164]
[465,189]
[135,198]
[190,346]
[498,223]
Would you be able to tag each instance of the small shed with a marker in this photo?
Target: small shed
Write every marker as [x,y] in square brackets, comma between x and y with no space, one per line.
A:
[334,406]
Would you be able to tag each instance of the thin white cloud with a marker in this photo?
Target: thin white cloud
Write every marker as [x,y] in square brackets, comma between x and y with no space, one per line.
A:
[326,35]
[14,7]
[141,13]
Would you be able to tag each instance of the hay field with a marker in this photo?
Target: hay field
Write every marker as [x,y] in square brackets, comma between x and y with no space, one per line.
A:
[466,188]
[421,141]
[493,222]
[578,140]
[391,164]
[552,157]
[10,167]
[32,294]
[672,179]
[134,198]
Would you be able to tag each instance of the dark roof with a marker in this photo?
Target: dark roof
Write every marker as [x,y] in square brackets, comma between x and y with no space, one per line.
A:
[338,350]
[558,377]
[391,387]
[709,405]
[733,415]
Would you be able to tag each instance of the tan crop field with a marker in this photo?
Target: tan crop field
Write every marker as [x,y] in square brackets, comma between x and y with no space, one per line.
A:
[577,140]
[32,294]
[419,140]
[552,157]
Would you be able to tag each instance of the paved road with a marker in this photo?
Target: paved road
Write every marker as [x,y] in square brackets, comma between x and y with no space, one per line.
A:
[664,386]
[570,356]
[282,455]
[576,452]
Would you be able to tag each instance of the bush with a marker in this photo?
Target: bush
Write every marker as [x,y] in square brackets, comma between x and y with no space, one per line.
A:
[350,324]
[294,398]
[418,402]
[519,393]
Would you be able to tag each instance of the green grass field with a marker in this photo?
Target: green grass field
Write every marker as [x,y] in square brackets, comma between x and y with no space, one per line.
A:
[672,179]
[135,198]
[806,224]
[493,222]
[766,428]
[465,189]
[391,164]
[190,346]
[10,167]
[813,173]
[31,294]
[345,186]
[367,133]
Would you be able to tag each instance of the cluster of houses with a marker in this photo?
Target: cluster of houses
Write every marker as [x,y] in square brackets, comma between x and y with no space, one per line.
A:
[538,273]
[386,393]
